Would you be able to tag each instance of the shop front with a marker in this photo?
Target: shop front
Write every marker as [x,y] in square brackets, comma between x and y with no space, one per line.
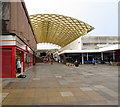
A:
[12,51]
[29,58]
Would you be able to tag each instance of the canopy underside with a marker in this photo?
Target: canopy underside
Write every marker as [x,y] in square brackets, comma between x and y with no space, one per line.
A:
[58,29]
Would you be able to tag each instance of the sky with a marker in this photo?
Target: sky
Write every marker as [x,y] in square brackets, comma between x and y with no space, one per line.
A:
[45,46]
[101,14]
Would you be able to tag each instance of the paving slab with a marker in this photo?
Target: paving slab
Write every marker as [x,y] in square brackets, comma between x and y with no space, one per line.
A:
[59,84]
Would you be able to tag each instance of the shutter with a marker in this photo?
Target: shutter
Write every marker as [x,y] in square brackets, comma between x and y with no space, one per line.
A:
[6,62]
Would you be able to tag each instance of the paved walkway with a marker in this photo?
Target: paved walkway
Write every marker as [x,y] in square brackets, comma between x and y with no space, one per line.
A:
[59,84]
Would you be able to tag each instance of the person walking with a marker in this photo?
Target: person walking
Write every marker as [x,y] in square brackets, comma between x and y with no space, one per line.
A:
[76,63]
[51,60]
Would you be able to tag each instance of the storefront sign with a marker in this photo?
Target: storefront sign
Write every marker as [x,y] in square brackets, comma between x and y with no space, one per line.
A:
[11,40]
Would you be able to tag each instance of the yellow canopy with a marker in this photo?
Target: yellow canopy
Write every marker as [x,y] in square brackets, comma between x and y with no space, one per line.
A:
[58,29]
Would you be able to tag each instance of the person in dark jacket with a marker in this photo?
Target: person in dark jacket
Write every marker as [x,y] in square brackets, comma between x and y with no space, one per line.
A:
[76,63]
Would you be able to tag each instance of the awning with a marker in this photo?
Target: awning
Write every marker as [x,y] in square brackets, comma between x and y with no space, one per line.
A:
[58,29]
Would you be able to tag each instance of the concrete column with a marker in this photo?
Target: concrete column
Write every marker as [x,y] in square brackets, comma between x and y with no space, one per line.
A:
[102,55]
[82,59]
[113,56]
[87,56]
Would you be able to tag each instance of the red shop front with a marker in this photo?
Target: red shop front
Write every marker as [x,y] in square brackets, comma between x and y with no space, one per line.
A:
[10,51]
[29,58]
[8,61]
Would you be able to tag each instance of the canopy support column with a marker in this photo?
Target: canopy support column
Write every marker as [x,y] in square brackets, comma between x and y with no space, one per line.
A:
[82,59]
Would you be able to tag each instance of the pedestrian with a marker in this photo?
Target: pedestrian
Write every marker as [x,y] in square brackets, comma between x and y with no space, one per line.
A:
[51,60]
[44,59]
[94,61]
[18,66]
[76,63]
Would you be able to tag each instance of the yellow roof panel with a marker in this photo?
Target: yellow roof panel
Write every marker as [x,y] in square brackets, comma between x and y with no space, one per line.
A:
[58,29]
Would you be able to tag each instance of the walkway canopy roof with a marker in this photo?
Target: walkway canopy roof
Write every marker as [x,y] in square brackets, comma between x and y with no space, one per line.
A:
[58,29]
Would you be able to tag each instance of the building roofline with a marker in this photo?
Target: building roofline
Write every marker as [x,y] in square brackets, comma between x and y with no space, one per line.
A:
[104,49]
[26,12]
